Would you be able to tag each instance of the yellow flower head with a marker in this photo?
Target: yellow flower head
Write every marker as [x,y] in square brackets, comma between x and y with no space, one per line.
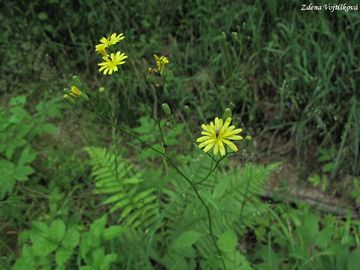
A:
[218,135]
[161,62]
[75,92]
[107,42]
[111,62]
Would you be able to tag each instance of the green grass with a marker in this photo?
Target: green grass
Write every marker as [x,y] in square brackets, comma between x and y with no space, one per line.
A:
[289,72]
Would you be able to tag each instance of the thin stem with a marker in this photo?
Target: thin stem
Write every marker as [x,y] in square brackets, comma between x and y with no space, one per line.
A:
[178,170]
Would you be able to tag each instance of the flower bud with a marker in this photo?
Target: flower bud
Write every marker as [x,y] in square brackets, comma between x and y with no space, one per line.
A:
[101,89]
[227,113]
[85,97]
[248,137]
[69,99]
[187,109]
[76,80]
[223,34]
[166,108]
[234,36]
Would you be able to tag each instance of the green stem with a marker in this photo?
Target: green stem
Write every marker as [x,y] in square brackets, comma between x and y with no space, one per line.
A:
[211,233]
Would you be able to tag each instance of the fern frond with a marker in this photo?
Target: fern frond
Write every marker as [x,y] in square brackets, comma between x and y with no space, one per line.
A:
[122,186]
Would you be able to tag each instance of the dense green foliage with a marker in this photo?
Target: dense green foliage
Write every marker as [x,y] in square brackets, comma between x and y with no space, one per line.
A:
[77,193]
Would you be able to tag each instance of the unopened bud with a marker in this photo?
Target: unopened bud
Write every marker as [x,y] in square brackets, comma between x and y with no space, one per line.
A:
[101,89]
[166,108]
[76,80]
[234,36]
[223,34]
[85,97]
[248,137]
[227,113]
[187,109]
[69,99]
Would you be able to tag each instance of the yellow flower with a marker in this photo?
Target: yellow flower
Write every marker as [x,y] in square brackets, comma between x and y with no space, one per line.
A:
[75,92]
[218,135]
[161,62]
[111,62]
[107,42]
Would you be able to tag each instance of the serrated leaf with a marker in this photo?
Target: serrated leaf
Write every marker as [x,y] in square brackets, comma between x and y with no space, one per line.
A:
[22,172]
[7,171]
[42,244]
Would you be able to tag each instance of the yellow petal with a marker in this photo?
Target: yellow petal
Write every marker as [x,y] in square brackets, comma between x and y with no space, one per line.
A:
[222,148]
[234,132]
[231,145]
[206,133]
[208,147]
[227,123]
[216,148]
[203,138]
[235,138]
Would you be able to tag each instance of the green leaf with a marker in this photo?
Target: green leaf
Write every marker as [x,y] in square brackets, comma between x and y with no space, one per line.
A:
[227,241]
[113,232]
[109,258]
[71,239]
[186,239]
[7,170]
[98,256]
[22,172]
[310,227]
[42,16]
[42,244]
[18,100]
[98,226]
[57,230]
[27,156]
[47,128]
[328,167]
[62,255]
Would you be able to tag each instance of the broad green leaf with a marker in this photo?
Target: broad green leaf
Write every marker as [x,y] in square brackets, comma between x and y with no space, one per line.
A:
[71,238]
[62,255]
[57,230]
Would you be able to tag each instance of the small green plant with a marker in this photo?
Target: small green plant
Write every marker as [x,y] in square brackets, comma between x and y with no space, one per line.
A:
[18,129]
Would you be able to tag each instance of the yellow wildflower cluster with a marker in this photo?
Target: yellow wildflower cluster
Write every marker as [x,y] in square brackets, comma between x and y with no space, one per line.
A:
[113,60]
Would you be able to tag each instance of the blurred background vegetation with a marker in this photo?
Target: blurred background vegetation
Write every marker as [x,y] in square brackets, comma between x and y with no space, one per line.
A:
[291,78]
